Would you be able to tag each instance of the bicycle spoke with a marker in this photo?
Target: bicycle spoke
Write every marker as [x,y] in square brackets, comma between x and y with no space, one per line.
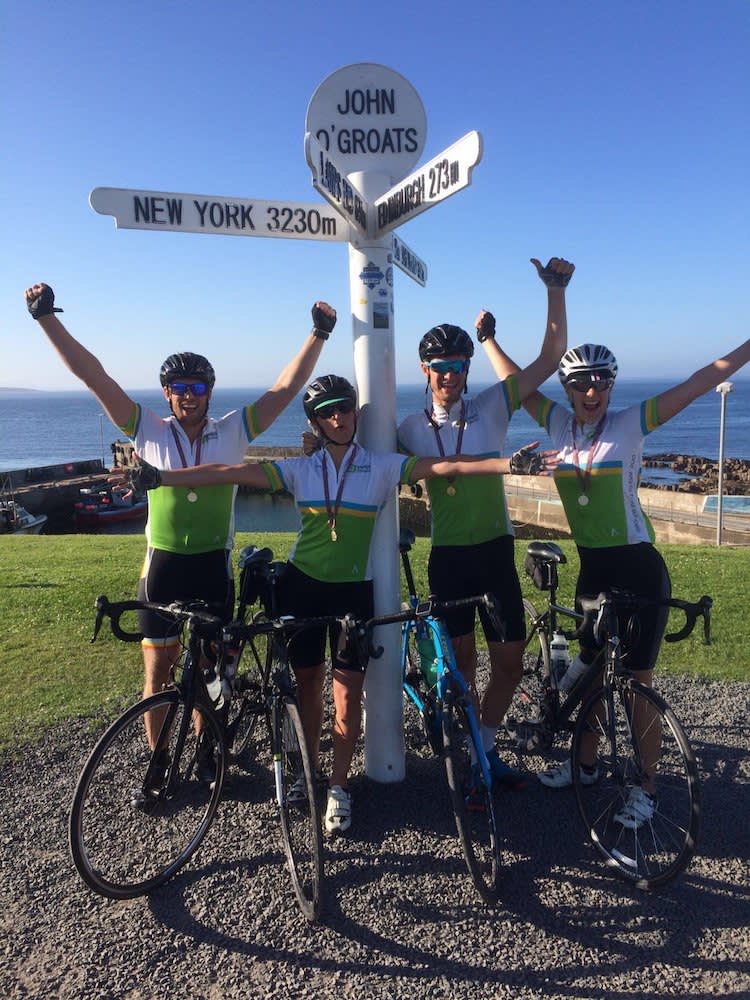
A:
[472,801]
[642,748]
[137,815]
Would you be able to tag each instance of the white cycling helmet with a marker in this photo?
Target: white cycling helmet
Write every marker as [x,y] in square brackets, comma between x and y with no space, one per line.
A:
[593,360]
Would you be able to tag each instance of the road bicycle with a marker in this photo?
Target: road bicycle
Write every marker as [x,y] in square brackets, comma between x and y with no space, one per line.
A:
[640,742]
[435,688]
[140,813]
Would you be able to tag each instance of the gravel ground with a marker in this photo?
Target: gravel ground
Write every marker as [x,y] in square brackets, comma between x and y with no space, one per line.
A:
[402,918]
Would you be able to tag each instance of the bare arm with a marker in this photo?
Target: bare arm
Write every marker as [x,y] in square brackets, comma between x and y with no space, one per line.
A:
[297,373]
[77,359]
[245,474]
[670,402]
[555,276]
[525,461]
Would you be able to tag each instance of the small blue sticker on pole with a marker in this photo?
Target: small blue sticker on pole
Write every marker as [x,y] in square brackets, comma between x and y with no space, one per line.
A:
[371,275]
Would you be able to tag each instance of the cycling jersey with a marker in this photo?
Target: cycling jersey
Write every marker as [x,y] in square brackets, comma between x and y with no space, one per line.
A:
[602,466]
[471,509]
[369,480]
[182,519]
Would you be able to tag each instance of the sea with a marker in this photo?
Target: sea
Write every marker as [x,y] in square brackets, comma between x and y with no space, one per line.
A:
[47,428]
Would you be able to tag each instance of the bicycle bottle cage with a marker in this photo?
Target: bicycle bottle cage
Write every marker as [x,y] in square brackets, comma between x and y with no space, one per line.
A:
[541,564]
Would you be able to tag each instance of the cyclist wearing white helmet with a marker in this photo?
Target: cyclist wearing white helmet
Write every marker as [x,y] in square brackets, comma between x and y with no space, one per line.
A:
[600,453]
[472,535]
[339,491]
[189,534]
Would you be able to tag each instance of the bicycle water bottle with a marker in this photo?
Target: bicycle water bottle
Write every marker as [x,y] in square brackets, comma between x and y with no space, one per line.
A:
[427,660]
[574,671]
[559,657]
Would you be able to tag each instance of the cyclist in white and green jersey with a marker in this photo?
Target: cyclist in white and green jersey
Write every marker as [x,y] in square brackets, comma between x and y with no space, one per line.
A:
[472,535]
[339,491]
[189,533]
[600,453]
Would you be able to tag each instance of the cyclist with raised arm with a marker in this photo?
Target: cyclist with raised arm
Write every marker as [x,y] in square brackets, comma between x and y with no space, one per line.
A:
[600,451]
[339,491]
[472,535]
[189,534]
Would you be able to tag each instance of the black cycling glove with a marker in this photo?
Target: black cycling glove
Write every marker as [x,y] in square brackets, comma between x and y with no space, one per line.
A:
[551,278]
[526,462]
[144,477]
[43,304]
[323,322]
[486,328]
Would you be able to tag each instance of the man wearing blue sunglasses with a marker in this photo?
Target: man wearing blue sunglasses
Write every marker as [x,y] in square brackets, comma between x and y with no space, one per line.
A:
[189,532]
[472,535]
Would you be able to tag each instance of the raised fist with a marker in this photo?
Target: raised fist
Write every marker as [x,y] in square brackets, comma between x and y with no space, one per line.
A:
[40,301]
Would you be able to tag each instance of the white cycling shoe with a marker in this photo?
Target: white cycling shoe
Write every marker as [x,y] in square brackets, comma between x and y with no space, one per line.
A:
[561,776]
[338,810]
[639,808]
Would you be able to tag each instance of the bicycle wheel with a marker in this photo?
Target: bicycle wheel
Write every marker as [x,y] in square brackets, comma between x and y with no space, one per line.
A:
[638,736]
[246,705]
[300,818]
[527,711]
[472,801]
[133,824]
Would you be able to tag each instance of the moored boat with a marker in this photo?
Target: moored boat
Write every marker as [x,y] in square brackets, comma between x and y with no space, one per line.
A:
[109,506]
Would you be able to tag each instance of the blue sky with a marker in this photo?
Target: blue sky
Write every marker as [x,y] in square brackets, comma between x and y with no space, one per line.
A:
[614,134]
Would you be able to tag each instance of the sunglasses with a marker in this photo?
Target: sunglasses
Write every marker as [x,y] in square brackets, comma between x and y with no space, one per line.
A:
[342,406]
[194,388]
[443,367]
[584,384]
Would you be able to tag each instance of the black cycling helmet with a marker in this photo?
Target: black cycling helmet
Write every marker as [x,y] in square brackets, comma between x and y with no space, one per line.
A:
[442,341]
[327,389]
[187,365]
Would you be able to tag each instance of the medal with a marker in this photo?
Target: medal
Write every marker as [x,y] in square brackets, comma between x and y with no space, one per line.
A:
[451,490]
[583,500]
[583,475]
[332,510]
[192,496]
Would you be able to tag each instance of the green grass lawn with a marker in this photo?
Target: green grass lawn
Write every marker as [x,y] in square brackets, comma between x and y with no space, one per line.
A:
[49,671]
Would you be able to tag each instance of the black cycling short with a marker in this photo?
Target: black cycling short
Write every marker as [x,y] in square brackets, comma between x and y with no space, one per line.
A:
[641,570]
[171,576]
[457,571]
[302,596]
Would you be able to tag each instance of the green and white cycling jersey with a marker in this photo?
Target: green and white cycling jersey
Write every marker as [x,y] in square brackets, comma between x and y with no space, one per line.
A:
[181,519]
[369,480]
[610,513]
[471,509]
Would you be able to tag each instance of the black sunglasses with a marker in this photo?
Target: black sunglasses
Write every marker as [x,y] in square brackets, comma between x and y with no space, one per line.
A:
[342,406]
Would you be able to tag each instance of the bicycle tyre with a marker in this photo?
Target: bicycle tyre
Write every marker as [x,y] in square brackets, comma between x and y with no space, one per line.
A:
[245,706]
[301,829]
[654,853]
[472,801]
[525,712]
[122,849]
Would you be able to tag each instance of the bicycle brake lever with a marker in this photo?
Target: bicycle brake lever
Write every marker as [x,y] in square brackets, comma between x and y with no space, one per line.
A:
[706,604]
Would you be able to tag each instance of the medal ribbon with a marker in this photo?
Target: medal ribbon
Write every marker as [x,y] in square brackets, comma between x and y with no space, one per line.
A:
[584,476]
[180,448]
[459,442]
[333,512]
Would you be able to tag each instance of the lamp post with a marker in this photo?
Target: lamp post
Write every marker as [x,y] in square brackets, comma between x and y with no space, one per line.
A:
[724,388]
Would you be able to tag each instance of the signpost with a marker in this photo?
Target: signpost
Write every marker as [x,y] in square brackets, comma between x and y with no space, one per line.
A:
[365,130]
